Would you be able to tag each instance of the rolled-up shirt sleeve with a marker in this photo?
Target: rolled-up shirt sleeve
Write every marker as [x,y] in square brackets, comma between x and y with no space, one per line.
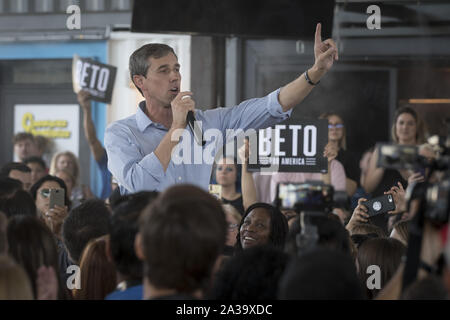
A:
[133,170]
[255,113]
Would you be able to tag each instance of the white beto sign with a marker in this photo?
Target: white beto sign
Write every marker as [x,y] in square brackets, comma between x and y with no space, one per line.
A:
[59,122]
[95,77]
[292,147]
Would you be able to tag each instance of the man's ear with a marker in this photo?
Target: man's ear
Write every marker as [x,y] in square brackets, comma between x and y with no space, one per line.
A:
[138,81]
[138,249]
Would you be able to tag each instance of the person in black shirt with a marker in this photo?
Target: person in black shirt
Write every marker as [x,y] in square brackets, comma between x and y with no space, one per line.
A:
[227,176]
[406,130]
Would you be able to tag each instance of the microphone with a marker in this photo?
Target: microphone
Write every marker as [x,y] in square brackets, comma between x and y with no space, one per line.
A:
[198,135]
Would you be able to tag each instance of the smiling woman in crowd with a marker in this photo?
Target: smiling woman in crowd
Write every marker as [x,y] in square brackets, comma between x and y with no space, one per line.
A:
[262,224]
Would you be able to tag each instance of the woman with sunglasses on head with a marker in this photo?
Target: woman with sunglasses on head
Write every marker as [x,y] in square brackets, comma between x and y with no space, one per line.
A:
[53,217]
[337,142]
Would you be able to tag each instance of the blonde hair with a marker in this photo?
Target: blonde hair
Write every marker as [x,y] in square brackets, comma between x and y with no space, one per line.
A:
[14,281]
[229,209]
[68,173]
[402,229]
[73,158]
[343,141]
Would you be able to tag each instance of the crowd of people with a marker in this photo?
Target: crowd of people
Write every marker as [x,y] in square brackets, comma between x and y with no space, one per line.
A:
[162,236]
[184,243]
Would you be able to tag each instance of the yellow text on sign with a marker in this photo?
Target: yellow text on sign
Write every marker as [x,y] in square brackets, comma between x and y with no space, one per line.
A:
[45,128]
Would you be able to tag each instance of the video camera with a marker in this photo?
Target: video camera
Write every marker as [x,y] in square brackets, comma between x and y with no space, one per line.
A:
[311,196]
[435,195]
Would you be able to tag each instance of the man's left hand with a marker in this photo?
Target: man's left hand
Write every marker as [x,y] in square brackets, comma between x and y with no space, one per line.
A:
[325,52]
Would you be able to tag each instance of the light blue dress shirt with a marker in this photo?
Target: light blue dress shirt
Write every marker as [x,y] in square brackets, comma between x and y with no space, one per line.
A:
[130,144]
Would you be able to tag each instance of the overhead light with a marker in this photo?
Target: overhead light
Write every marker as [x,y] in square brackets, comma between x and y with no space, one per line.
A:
[429,101]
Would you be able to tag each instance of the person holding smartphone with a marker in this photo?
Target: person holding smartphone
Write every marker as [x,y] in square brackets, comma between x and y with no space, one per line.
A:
[47,193]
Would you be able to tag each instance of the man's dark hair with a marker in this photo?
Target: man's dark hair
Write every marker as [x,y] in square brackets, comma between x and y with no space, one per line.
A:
[332,234]
[88,221]
[278,225]
[139,62]
[7,168]
[321,274]
[21,203]
[124,227]
[358,239]
[183,232]
[22,136]
[251,274]
[9,186]
[115,198]
[37,160]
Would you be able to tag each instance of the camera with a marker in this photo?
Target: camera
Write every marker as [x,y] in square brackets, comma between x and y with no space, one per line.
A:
[437,200]
[392,156]
[435,194]
[311,196]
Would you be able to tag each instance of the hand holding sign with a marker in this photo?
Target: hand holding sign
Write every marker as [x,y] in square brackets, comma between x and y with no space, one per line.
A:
[84,99]
[94,77]
[330,152]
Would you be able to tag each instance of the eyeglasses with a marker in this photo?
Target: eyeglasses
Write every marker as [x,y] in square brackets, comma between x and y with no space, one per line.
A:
[227,169]
[336,126]
[232,226]
[46,192]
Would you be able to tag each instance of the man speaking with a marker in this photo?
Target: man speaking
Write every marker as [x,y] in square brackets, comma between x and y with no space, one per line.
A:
[140,147]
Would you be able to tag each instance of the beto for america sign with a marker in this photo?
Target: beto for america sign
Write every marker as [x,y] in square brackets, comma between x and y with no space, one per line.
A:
[292,147]
[93,76]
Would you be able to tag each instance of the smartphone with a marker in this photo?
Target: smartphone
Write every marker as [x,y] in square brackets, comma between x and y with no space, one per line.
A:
[380,205]
[420,170]
[216,190]
[56,198]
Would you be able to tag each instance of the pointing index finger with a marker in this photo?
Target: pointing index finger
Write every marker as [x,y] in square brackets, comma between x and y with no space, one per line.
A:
[318,37]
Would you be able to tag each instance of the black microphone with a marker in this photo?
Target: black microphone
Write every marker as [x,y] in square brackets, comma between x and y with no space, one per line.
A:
[198,135]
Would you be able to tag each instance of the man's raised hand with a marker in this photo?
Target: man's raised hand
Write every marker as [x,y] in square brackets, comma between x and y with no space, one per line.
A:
[325,52]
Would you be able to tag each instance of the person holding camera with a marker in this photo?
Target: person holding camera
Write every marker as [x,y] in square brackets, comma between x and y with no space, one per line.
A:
[406,130]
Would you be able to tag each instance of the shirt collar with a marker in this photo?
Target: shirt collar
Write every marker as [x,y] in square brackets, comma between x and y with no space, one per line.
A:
[143,121]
